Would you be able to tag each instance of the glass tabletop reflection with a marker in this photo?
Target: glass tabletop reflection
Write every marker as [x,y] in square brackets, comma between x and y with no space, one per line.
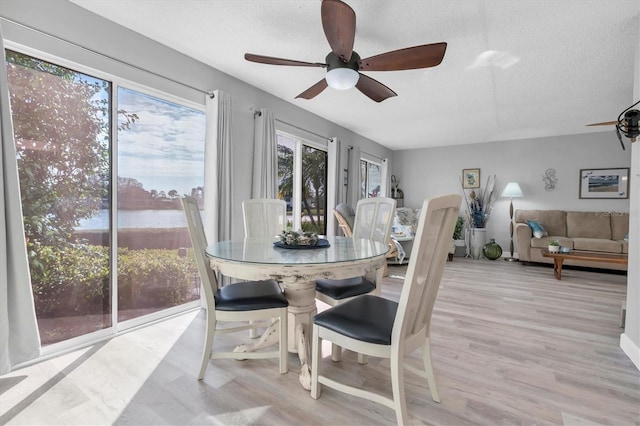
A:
[263,251]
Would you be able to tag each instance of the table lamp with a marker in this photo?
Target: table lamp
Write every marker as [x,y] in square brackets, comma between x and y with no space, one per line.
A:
[512,190]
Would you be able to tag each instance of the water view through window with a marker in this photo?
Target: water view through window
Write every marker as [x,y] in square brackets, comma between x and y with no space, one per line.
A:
[160,158]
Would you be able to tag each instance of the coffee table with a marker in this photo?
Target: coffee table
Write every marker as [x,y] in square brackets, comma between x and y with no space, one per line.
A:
[593,256]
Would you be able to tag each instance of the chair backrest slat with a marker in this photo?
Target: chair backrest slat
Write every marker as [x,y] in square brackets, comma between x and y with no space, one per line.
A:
[264,217]
[426,265]
[199,242]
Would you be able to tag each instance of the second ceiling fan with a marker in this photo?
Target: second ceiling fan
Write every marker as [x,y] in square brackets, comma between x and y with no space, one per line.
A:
[344,64]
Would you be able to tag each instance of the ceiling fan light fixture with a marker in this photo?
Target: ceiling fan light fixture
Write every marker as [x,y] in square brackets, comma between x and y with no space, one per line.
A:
[342,78]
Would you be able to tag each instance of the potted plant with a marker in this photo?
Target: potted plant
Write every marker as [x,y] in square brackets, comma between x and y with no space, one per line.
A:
[458,238]
[554,246]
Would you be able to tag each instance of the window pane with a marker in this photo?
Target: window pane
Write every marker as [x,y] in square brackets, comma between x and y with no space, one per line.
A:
[61,123]
[373,180]
[370,174]
[286,149]
[160,157]
[363,179]
[305,191]
[314,185]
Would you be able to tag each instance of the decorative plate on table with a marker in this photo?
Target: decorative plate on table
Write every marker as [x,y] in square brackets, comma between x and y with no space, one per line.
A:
[322,243]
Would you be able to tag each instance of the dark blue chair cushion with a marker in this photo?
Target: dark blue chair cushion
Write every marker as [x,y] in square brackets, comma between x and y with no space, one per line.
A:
[343,289]
[250,296]
[367,318]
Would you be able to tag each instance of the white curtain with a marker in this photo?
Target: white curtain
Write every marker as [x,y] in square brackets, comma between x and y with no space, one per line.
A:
[19,337]
[333,177]
[384,178]
[218,168]
[353,185]
[265,156]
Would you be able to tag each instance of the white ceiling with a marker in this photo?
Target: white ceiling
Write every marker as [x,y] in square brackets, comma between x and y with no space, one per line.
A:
[513,69]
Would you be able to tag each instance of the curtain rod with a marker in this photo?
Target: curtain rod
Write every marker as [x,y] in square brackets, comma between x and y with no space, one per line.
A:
[258,113]
[95,52]
[371,155]
[304,130]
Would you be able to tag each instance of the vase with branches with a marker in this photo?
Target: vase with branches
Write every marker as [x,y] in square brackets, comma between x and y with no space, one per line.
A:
[480,204]
[478,207]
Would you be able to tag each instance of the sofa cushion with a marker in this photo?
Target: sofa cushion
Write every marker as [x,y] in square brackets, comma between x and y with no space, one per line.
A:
[537,230]
[554,221]
[625,246]
[597,244]
[589,225]
[619,226]
[543,243]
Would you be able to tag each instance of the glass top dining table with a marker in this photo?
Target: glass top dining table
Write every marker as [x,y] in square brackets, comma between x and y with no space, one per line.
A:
[297,271]
[264,251]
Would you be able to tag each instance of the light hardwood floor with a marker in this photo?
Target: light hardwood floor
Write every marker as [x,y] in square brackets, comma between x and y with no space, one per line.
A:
[511,345]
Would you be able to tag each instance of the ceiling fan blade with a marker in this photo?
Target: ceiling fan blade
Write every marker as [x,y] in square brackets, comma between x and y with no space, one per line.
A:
[606,123]
[314,90]
[339,24]
[410,58]
[374,89]
[279,61]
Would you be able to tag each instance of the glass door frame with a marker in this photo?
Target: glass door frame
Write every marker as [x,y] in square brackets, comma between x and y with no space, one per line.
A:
[84,340]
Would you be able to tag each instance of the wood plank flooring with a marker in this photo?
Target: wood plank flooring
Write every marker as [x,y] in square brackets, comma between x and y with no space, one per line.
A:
[511,345]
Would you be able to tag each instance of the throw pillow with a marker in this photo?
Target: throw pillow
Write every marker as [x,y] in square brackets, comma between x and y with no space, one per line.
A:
[626,237]
[537,229]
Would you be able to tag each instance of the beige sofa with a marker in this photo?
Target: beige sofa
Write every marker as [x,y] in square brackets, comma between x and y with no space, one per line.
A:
[591,231]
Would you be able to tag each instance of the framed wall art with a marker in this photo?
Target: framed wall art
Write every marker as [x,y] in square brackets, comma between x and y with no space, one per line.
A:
[470,178]
[604,183]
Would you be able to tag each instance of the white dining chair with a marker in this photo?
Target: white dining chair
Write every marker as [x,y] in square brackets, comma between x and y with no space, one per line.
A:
[238,302]
[383,328]
[373,220]
[264,217]
[345,216]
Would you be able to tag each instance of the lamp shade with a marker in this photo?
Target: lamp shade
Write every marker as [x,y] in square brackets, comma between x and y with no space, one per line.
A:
[342,78]
[512,190]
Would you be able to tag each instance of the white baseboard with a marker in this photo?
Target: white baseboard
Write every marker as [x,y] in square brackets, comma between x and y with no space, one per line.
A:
[630,349]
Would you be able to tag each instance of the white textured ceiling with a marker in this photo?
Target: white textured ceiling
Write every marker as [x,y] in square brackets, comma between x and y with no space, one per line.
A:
[513,69]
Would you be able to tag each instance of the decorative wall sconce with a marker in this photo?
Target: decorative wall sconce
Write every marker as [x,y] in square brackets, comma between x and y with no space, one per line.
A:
[550,180]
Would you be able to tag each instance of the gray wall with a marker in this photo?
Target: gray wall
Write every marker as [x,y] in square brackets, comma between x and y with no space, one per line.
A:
[427,172]
[70,22]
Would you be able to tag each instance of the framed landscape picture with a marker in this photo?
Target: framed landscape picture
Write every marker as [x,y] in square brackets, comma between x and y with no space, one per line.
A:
[470,178]
[604,183]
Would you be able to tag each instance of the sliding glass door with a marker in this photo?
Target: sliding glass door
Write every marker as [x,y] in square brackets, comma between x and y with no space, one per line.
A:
[61,123]
[160,158]
[101,168]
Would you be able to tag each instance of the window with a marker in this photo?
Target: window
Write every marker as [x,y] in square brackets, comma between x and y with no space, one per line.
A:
[67,142]
[370,178]
[160,157]
[302,177]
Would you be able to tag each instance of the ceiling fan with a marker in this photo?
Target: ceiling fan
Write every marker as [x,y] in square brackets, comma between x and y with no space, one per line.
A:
[627,123]
[344,64]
